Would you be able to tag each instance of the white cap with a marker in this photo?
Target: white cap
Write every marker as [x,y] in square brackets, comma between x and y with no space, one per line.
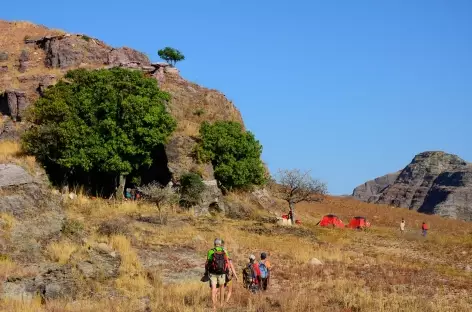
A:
[252,257]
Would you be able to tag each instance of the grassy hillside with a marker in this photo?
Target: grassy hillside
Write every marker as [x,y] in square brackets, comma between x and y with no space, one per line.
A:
[376,270]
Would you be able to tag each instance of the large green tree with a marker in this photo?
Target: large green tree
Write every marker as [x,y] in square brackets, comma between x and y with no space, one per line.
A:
[105,121]
[234,153]
[171,55]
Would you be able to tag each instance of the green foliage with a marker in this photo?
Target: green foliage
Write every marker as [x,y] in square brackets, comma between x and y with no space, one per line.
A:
[171,55]
[234,153]
[191,189]
[86,38]
[105,121]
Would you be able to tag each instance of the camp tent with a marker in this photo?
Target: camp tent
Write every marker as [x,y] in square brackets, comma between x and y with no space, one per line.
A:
[331,220]
[358,223]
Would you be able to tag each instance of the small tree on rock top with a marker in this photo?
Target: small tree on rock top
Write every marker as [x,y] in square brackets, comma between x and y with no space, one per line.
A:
[171,55]
[297,186]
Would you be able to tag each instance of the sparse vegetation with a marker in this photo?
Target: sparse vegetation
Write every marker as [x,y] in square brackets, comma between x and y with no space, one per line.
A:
[171,55]
[161,196]
[86,38]
[199,112]
[191,189]
[234,153]
[61,251]
[296,186]
[113,227]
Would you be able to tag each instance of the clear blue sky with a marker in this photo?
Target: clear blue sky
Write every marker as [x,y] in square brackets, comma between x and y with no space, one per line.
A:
[349,89]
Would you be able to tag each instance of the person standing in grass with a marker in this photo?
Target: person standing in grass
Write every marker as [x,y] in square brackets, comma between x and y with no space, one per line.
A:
[264,268]
[402,226]
[252,275]
[424,229]
[216,266]
[229,274]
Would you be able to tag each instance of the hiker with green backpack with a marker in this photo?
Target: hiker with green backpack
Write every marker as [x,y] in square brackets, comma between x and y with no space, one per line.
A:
[216,267]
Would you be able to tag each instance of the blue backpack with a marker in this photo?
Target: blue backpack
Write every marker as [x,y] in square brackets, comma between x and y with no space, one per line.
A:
[263,269]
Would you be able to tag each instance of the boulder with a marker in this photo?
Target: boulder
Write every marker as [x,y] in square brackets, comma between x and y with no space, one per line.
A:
[3,69]
[39,216]
[73,51]
[212,199]
[24,64]
[13,103]
[11,175]
[126,55]
[53,282]
[3,56]
[180,158]
[315,262]
[102,263]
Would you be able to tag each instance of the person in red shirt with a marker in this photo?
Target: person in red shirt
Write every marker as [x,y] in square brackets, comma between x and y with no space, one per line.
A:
[252,275]
[424,228]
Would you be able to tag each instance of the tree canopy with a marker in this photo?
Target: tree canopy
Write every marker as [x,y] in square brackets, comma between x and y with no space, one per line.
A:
[296,186]
[171,55]
[105,121]
[234,153]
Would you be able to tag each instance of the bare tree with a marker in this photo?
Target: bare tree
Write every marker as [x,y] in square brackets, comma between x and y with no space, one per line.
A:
[161,196]
[297,186]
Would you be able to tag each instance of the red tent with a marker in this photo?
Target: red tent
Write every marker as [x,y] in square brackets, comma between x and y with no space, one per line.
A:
[331,220]
[358,223]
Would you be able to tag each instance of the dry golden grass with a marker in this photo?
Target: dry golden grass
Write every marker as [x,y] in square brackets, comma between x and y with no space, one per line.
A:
[374,270]
[61,251]
[10,152]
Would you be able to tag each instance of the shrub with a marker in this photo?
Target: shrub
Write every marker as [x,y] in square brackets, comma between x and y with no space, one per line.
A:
[234,153]
[199,112]
[114,227]
[161,196]
[72,228]
[191,189]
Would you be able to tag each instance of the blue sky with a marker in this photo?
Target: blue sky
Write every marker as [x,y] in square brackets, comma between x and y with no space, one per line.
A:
[348,89]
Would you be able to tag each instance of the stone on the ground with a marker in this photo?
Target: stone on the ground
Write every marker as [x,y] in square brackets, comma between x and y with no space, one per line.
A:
[315,262]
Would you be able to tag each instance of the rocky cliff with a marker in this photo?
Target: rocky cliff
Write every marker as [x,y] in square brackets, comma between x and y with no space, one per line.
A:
[34,57]
[433,183]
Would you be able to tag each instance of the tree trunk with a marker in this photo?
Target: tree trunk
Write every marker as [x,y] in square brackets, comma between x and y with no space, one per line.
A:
[65,184]
[292,210]
[120,190]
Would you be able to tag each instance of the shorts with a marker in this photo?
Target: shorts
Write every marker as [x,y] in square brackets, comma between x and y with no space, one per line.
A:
[217,279]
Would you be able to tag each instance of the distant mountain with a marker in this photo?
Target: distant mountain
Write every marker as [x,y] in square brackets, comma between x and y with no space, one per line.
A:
[433,183]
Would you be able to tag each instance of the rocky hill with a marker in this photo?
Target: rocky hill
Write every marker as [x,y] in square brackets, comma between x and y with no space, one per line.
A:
[433,183]
[34,57]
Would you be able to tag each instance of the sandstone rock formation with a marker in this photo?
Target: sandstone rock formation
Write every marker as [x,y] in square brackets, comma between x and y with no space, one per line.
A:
[434,183]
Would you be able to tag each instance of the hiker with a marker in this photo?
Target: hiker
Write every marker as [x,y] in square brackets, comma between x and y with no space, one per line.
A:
[264,268]
[424,228]
[252,275]
[127,193]
[229,274]
[402,226]
[216,267]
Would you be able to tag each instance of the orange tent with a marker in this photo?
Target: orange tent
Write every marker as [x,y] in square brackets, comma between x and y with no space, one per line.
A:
[358,223]
[331,220]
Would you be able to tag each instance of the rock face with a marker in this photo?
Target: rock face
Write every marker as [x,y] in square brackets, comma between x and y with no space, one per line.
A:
[371,190]
[38,214]
[434,183]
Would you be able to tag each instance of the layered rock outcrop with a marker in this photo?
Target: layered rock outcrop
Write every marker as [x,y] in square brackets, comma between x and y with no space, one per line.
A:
[434,183]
